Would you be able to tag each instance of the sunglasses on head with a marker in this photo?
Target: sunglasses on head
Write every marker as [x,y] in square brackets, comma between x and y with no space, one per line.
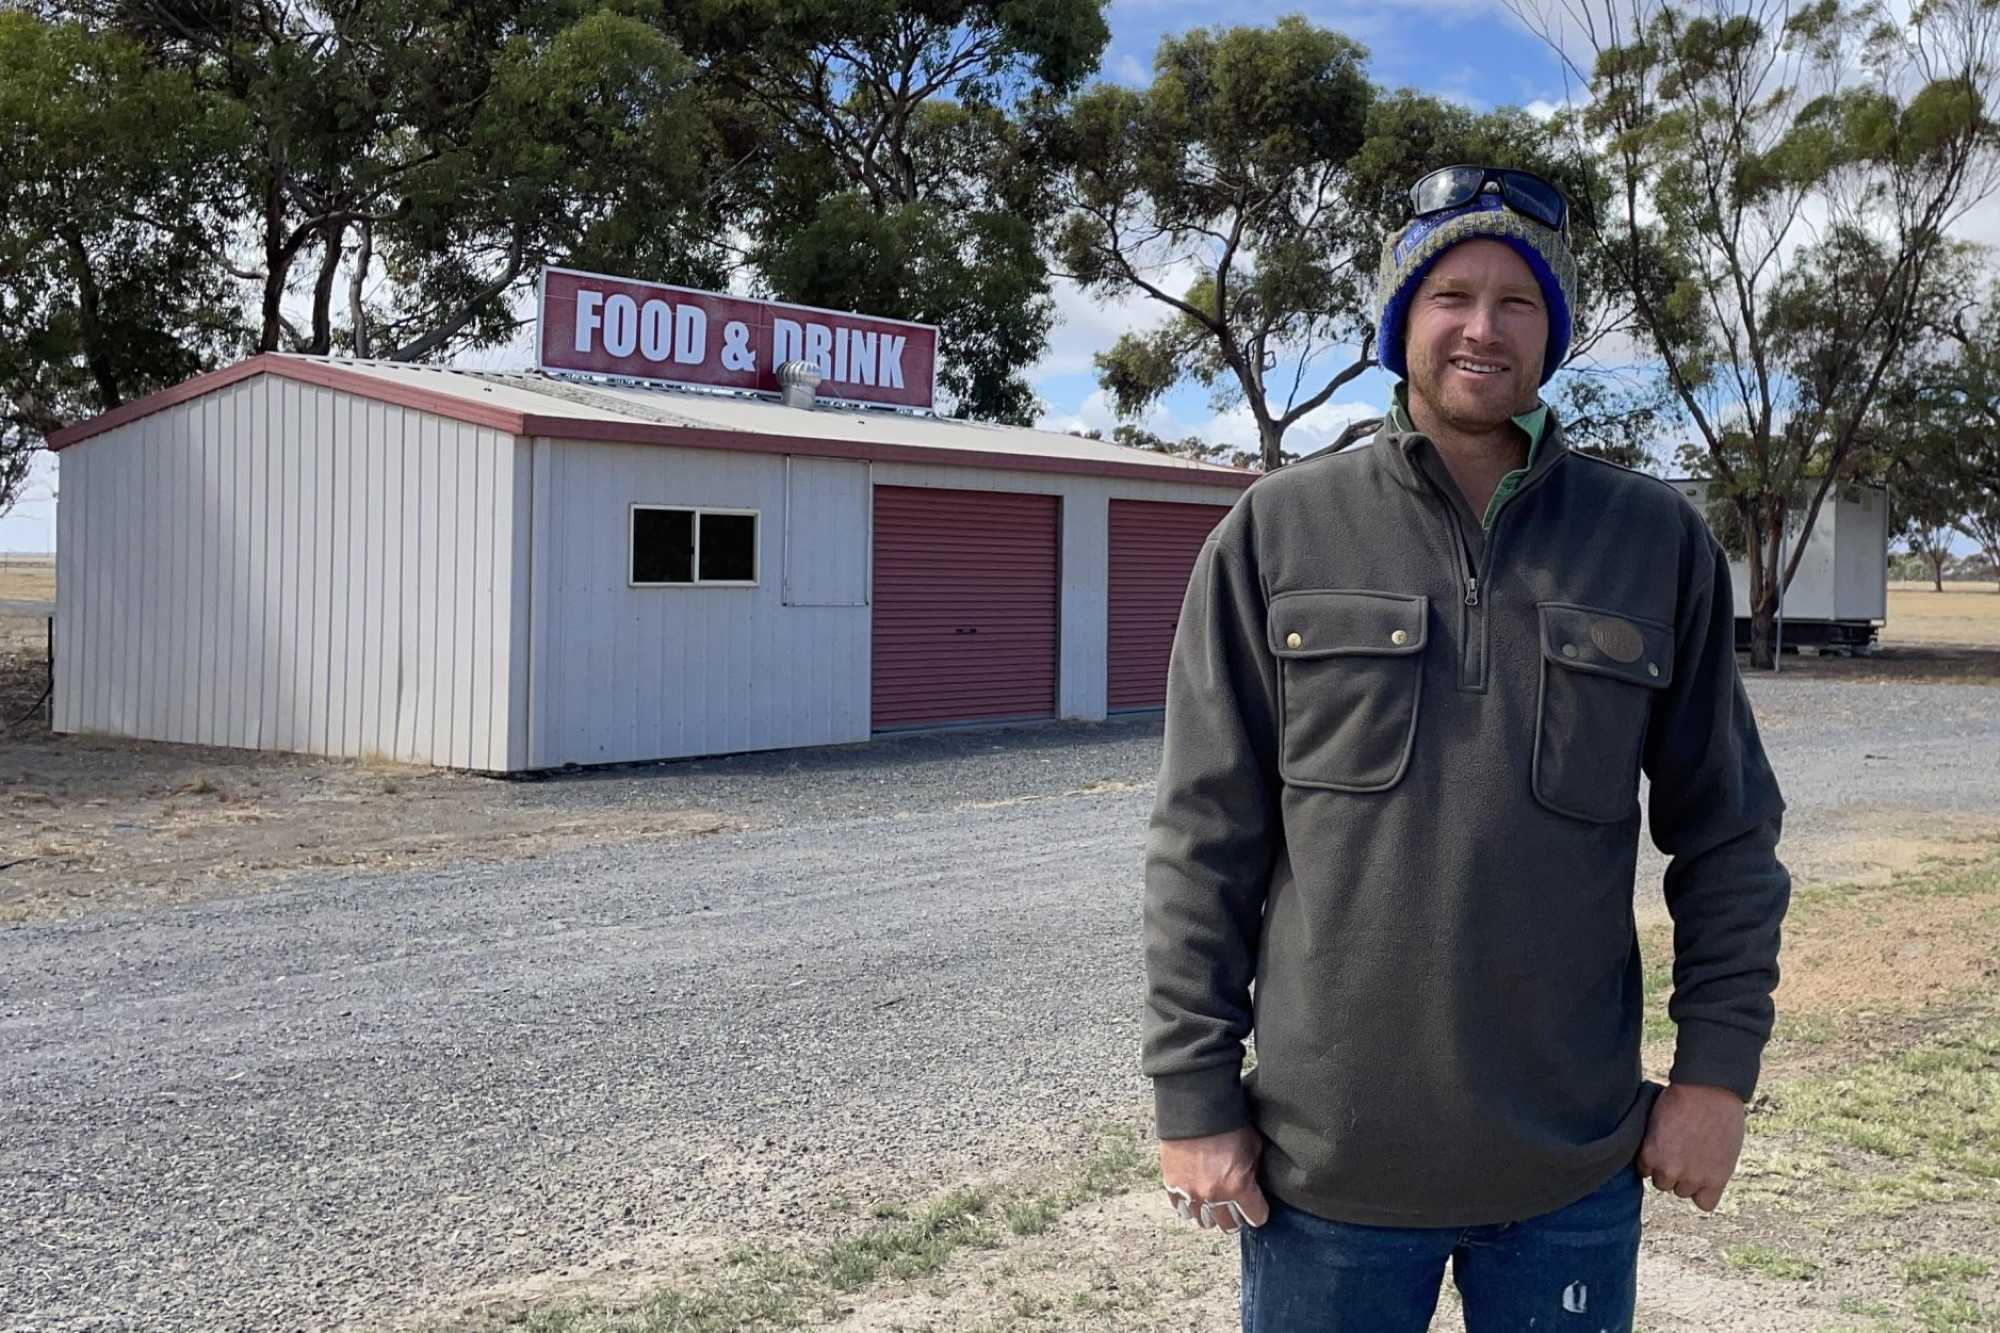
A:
[1523,191]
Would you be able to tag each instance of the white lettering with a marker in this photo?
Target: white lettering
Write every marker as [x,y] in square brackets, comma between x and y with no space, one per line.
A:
[892,361]
[840,337]
[862,367]
[656,330]
[819,348]
[621,325]
[587,318]
[787,342]
[690,335]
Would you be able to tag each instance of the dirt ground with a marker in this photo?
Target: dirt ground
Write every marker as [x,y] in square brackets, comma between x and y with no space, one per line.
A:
[91,823]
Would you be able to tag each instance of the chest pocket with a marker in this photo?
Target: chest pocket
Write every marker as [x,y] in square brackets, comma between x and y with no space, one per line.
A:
[1601,671]
[1350,679]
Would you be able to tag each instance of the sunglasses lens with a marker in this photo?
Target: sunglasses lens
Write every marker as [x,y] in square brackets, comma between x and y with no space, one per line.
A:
[1535,197]
[1446,189]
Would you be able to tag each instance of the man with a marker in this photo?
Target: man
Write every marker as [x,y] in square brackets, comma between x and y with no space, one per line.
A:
[1411,696]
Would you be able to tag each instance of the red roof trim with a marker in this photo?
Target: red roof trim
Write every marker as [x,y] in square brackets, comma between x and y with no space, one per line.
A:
[306,372]
[513,422]
[158,402]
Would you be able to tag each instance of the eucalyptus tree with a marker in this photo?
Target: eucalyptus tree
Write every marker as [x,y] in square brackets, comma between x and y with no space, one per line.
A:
[1783,179]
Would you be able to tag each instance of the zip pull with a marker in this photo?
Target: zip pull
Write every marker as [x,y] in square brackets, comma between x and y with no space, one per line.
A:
[1471,591]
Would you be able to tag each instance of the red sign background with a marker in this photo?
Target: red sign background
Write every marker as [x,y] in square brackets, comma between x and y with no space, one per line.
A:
[647,330]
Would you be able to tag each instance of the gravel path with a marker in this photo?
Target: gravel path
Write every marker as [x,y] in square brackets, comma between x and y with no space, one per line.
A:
[353,1098]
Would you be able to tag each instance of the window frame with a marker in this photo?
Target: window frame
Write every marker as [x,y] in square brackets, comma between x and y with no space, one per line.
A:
[756,579]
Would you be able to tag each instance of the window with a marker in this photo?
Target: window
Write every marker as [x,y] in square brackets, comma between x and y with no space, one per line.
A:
[690,547]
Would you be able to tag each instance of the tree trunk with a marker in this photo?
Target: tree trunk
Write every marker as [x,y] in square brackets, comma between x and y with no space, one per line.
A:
[331,237]
[1763,607]
[1270,442]
[357,311]
[89,315]
[1936,559]
[275,266]
[1763,620]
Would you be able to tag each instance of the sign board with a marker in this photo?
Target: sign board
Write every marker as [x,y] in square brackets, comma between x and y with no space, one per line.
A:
[648,331]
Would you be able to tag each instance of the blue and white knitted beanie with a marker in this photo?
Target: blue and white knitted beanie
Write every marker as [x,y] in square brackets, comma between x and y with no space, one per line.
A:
[1408,255]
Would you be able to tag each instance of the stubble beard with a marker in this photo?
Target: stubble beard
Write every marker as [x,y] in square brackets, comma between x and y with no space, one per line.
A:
[1470,414]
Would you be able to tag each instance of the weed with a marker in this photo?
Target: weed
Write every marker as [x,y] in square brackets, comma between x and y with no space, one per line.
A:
[1933,1268]
[1771,1263]
[1031,1217]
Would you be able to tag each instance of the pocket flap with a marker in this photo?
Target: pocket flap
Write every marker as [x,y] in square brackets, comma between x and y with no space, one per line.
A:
[1608,643]
[1340,623]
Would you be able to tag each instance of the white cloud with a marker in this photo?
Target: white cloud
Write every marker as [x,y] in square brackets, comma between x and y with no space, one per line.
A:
[1086,325]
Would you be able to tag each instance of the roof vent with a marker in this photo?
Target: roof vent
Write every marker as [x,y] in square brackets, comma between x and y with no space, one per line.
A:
[798,382]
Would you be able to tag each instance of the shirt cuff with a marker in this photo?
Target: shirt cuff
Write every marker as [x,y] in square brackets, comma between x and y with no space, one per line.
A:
[1718,1055]
[1200,1102]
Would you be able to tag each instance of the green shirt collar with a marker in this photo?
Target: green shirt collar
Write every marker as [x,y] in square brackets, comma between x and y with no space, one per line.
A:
[1533,423]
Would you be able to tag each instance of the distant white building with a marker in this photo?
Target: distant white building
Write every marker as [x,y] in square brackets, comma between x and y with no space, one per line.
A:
[508,572]
[1840,596]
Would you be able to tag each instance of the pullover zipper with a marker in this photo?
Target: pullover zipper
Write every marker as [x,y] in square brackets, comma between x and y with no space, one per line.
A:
[1472,619]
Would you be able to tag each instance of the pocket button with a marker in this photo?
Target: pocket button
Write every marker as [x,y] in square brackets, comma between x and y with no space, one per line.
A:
[1400,637]
[1293,641]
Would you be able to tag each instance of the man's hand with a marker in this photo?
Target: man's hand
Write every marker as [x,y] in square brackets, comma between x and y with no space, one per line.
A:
[1692,1142]
[1217,1169]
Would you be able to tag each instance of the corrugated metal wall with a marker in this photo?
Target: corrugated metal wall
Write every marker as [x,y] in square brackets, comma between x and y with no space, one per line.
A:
[279,566]
[626,673]
[1153,549]
[965,606]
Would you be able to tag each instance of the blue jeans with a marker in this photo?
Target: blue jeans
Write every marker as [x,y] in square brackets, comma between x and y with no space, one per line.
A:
[1574,1270]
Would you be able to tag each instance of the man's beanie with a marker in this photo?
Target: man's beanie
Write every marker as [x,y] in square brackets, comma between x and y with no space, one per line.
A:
[1409,254]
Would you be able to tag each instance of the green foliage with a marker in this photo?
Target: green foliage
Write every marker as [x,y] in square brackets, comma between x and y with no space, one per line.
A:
[1613,418]
[1782,198]
[386,176]
[894,160]
[107,165]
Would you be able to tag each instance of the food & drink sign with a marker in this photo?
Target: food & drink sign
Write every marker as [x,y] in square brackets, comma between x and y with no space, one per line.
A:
[648,331]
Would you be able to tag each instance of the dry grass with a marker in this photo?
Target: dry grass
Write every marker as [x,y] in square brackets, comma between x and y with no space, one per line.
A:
[1964,613]
[27,579]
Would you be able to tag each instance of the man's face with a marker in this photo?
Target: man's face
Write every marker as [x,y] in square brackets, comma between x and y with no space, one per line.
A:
[1475,336]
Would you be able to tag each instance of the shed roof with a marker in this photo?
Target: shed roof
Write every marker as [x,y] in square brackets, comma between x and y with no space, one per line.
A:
[530,403]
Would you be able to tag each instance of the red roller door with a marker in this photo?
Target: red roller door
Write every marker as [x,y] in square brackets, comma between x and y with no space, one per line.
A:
[965,606]
[1153,547]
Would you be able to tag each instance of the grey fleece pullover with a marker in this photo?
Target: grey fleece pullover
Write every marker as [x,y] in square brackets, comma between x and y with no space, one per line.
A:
[1400,794]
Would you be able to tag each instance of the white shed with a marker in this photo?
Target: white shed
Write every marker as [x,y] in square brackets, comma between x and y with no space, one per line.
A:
[510,572]
[1840,595]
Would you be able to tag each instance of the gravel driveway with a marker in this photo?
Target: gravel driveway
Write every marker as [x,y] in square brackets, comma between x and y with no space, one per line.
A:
[357,1097]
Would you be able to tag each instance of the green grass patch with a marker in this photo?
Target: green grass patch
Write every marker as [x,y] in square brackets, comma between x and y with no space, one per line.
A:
[1935,1105]
[1954,1311]
[1031,1217]
[1934,877]
[1771,1263]
[758,1288]
[1932,1268]
[1656,948]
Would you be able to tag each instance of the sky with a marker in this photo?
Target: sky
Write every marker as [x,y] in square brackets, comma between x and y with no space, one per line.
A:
[1473,51]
